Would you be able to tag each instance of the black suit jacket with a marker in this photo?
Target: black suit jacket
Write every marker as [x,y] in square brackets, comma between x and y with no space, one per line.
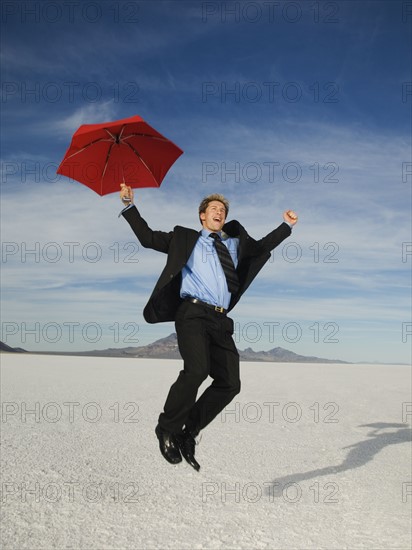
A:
[178,245]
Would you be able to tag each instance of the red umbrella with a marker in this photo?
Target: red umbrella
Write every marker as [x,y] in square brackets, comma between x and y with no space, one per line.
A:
[130,151]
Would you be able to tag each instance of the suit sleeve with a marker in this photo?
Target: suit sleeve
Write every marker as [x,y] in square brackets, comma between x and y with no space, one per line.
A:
[158,240]
[275,237]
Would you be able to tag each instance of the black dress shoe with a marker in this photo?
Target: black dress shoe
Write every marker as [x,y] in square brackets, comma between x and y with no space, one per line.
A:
[168,446]
[187,444]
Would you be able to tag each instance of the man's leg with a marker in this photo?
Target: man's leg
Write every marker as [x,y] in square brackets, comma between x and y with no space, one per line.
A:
[224,369]
[193,341]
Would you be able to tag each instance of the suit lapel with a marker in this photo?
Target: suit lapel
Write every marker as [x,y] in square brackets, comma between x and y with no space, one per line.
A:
[190,242]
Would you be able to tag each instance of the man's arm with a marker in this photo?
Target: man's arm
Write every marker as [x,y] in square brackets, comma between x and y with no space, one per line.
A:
[275,237]
[158,240]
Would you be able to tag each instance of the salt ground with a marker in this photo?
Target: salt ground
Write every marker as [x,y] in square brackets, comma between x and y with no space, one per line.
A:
[307,456]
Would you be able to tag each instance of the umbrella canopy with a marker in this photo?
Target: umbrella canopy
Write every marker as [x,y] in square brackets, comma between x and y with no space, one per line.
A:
[130,151]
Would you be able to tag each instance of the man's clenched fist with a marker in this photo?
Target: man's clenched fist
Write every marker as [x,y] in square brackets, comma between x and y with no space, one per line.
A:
[290,217]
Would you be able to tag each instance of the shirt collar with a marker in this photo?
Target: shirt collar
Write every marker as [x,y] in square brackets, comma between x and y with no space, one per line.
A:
[205,233]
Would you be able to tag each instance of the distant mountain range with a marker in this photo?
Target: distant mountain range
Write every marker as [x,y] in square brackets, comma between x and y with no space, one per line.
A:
[167,348]
[5,347]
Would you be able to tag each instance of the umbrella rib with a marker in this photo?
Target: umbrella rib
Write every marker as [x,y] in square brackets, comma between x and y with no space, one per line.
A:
[116,137]
[146,136]
[105,166]
[121,132]
[87,146]
[137,153]
[110,134]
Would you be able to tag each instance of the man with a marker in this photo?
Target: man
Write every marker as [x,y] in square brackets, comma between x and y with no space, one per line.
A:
[205,275]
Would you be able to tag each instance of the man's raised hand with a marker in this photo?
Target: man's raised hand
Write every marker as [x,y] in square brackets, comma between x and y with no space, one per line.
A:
[126,194]
[290,217]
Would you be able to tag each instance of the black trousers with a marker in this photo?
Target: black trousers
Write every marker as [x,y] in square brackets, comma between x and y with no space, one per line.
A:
[205,342]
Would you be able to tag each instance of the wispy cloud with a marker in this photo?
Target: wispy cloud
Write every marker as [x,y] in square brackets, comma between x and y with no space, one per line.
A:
[91,113]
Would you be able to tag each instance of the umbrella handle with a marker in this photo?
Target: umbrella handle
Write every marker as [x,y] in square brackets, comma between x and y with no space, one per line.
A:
[126,199]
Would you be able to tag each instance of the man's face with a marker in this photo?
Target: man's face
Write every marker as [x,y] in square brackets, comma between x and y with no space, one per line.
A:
[213,219]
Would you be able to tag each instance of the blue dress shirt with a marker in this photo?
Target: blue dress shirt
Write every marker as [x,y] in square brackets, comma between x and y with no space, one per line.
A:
[203,276]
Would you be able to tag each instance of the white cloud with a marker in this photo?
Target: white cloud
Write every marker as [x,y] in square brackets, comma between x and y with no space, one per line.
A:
[91,113]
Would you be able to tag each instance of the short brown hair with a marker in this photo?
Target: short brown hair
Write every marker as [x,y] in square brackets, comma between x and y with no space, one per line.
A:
[215,197]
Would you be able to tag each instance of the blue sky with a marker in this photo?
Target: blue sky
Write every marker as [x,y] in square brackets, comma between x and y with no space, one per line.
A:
[277,105]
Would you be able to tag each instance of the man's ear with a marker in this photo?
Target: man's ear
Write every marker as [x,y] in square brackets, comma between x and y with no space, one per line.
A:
[202,216]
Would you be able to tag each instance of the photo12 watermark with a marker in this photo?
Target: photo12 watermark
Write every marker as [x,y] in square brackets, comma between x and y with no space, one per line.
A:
[35,92]
[291,332]
[269,92]
[270,412]
[406,252]
[406,332]
[406,172]
[269,172]
[406,92]
[31,12]
[406,12]
[68,252]
[293,252]
[52,332]
[71,491]
[406,492]
[270,12]
[69,411]
[253,492]
[36,172]
[406,412]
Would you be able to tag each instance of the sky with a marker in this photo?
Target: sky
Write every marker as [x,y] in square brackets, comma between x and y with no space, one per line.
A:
[277,105]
